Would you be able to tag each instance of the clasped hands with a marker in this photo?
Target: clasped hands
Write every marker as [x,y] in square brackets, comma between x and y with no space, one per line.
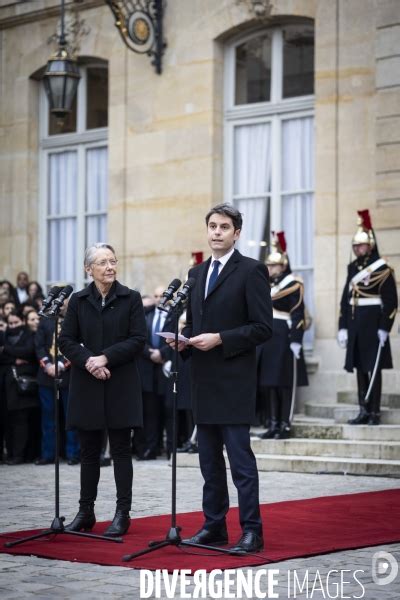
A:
[204,341]
[96,365]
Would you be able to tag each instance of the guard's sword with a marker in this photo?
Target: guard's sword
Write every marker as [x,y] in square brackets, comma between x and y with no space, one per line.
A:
[293,389]
[371,382]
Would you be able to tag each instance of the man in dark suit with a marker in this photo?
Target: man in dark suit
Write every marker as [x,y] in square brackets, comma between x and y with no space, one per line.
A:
[228,315]
[154,384]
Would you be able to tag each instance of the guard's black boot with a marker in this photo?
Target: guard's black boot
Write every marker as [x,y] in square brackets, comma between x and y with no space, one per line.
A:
[374,419]
[361,419]
[284,431]
[271,432]
[85,519]
[120,524]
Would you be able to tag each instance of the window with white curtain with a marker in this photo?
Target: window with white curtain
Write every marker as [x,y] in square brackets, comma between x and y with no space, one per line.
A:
[74,180]
[269,143]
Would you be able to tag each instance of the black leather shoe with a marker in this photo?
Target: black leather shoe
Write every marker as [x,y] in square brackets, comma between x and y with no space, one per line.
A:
[85,520]
[283,432]
[73,461]
[249,542]
[44,461]
[209,537]
[120,524]
[374,419]
[147,455]
[361,419]
[271,432]
[17,460]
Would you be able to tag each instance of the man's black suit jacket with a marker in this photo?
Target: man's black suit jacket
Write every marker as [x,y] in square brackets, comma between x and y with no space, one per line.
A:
[224,379]
[151,374]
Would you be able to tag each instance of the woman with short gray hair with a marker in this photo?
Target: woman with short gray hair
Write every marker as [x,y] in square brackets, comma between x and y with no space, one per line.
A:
[103,332]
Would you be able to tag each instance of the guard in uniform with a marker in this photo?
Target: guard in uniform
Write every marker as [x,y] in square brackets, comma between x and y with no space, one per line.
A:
[281,361]
[367,311]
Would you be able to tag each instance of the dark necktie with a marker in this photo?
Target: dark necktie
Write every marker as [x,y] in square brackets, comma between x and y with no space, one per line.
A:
[213,276]
[155,339]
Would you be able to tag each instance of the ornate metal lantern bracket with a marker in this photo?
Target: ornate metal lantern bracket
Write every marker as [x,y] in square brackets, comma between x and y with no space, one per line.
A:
[140,24]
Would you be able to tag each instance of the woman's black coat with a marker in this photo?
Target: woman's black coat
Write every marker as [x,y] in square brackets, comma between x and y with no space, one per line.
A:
[117,330]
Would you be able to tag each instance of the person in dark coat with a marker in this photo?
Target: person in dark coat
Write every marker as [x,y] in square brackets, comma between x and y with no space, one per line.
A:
[44,346]
[228,314]
[367,311]
[280,355]
[102,335]
[154,384]
[18,353]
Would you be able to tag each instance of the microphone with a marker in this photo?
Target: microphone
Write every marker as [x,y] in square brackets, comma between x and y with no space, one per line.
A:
[53,293]
[184,293]
[169,292]
[59,301]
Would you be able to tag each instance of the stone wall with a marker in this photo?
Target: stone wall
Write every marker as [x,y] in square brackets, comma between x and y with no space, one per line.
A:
[166,133]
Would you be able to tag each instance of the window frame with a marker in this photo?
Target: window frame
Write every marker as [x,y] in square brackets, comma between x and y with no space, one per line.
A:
[80,141]
[275,111]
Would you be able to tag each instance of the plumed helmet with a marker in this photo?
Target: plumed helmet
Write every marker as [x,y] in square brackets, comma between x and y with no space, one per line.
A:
[278,255]
[364,233]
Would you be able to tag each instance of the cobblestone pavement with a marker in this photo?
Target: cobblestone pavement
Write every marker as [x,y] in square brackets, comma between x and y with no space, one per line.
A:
[26,501]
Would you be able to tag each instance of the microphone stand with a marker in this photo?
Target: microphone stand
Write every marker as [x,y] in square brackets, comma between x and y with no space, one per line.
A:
[173,537]
[57,525]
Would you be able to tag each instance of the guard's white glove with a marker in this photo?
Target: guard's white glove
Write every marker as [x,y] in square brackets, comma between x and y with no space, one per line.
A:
[383,336]
[166,368]
[296,349]
[342,338]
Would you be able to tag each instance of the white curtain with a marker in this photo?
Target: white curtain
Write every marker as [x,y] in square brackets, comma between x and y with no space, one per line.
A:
[62,203]
[252,176]
[96,195]
[298,202]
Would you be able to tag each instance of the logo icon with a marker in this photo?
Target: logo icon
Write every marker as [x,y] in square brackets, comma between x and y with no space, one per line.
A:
[385,568]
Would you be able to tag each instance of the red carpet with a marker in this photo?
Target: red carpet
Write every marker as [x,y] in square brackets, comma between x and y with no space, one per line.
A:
[292,529]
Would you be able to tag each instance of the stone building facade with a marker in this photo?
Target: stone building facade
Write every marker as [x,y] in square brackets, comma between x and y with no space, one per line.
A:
[170,145]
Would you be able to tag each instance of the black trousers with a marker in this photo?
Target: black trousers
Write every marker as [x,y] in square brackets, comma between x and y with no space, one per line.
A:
[374,403]
[17,436]
[120,446]
[211,440]
[279,403]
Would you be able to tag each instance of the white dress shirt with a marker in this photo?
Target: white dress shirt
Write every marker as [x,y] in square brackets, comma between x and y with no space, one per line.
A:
[223,260]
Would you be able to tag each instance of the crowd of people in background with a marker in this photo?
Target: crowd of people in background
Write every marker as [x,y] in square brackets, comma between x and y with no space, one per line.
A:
[27,426]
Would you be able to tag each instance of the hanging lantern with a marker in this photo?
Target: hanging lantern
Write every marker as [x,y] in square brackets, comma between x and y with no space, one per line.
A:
[61,77]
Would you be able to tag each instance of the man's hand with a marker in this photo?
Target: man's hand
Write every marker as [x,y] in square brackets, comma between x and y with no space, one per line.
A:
[155,356]
[206,341]
[96,362]
[102,373]
[50,370]
[181,345]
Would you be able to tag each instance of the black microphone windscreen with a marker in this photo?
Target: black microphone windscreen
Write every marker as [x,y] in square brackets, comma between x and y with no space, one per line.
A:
[67,290]
[175,284]
[55,290]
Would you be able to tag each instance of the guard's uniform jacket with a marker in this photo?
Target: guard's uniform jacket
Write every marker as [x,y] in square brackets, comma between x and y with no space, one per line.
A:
[275,357]
[369,303]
